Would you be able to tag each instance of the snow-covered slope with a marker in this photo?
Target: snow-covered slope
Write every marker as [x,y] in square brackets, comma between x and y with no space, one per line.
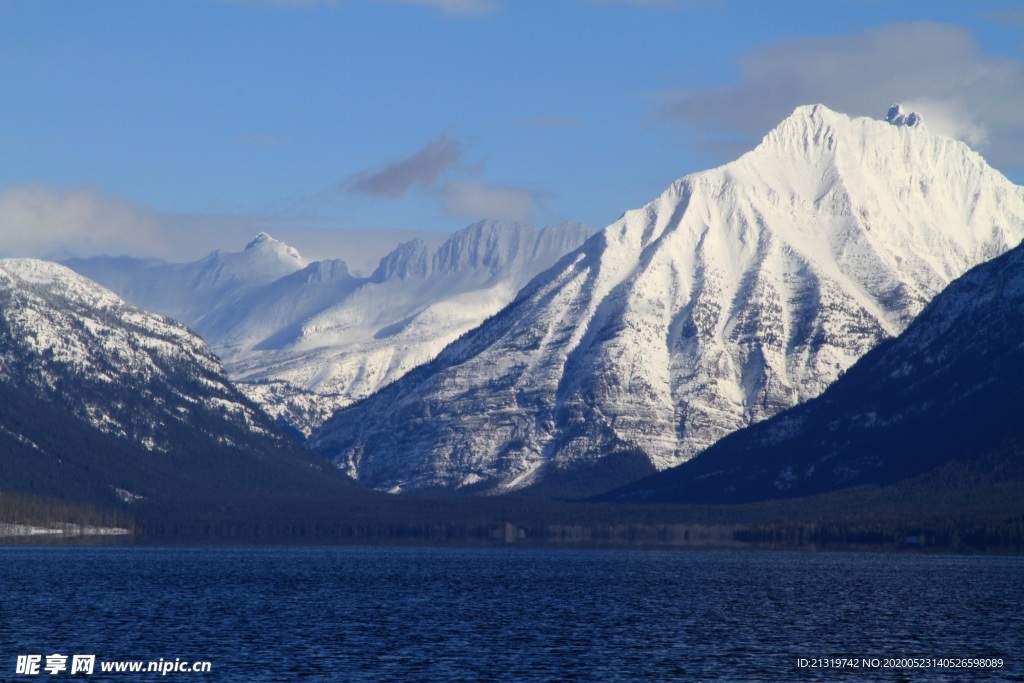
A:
[951,386]
[739,292]
[303,341]
[124,371]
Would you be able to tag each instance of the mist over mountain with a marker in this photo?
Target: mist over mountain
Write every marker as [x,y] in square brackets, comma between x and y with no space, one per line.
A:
[738,293]
[193,293]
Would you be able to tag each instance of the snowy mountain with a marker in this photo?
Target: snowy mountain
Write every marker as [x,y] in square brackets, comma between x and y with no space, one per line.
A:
[120,369]
[411,307]
[304,340]
[109,405]
[739,292]
[950,387]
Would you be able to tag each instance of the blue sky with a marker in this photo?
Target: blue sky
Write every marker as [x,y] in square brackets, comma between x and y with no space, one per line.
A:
[166,128]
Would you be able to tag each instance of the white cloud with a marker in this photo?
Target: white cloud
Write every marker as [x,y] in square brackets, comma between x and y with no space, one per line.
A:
[934,68]
[472,200]
[456,7]
[42,221]
[47,222]
[1007,16]
[951,117]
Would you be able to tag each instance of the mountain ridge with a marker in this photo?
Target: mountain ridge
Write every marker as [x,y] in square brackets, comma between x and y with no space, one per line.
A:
[58,328]
[738,292]
[121,409]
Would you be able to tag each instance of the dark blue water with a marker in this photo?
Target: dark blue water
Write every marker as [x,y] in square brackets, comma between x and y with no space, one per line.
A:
[358,614]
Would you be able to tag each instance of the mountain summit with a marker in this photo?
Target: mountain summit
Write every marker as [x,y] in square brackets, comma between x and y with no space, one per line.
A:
[739,292]
[896,117]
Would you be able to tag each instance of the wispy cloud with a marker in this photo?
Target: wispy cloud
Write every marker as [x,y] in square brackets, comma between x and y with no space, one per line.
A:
[438,169]
[934,68]
[423,168]
[455,7]
[472,200]
[1006,16]
[43,221]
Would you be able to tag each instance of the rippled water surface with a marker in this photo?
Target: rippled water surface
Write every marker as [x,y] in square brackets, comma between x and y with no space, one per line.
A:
[371,614]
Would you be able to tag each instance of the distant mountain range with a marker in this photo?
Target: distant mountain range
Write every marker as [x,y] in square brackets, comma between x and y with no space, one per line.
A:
[951,387]
[738,293]
[304,339]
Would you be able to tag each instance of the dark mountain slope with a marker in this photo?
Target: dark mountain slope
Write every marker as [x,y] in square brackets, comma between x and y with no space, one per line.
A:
[103,403]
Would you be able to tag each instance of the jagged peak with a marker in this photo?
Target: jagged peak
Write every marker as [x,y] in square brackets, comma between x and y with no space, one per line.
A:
[408,259]
[817,114]
[896,117]
[818,134]
[264,238]
[325,271]
[493,225]
[490,244]
[808,128]
[485,230]
[812,123]
[260,239]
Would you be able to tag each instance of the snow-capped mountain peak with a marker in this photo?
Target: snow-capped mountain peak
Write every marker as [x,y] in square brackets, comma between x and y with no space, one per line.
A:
[259,239]
[266,243]
[739,292]
[896,117]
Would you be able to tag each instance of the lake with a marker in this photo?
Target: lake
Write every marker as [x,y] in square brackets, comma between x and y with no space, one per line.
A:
[445,614]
